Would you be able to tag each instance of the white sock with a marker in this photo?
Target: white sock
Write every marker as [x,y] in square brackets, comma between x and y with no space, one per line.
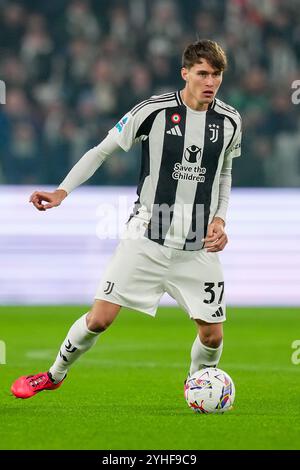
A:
[78,340]
[202,356]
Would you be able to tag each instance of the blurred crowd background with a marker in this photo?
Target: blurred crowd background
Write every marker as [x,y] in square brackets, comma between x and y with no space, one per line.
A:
[72,68]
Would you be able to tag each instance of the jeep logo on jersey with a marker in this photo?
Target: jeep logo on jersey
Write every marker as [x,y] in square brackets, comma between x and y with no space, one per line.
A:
[121,123]
[214,129]
[192,154]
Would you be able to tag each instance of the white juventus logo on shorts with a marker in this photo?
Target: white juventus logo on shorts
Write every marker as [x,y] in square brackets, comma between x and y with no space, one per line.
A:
[175,131]
[214,129]
[109,288]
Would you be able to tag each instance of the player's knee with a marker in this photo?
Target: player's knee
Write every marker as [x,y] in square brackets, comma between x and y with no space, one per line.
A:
[212,340]
[98,323]
[102,315]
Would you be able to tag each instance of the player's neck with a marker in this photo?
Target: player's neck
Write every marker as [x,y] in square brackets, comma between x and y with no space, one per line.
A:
[190,101]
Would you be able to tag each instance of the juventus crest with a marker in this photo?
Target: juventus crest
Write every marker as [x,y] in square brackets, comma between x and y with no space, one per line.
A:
[214,130]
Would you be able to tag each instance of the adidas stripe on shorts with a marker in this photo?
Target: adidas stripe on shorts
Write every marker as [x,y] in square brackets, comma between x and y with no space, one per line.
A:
[141,271]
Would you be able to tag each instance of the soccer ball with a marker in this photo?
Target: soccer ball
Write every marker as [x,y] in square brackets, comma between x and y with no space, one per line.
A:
[209,390]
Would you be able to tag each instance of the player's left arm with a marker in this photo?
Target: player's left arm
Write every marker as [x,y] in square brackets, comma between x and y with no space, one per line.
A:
[216,238]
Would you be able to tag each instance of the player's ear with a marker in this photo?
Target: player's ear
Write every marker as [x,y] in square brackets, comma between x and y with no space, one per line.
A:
[184,73]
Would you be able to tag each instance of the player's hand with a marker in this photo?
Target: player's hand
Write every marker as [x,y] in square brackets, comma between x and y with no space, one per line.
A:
[52,199]
[216,238]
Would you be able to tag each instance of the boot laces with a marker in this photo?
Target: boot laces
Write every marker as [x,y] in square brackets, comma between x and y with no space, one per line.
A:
[35,382]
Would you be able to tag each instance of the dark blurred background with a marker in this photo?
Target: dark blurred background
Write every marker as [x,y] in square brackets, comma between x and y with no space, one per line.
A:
[72,68]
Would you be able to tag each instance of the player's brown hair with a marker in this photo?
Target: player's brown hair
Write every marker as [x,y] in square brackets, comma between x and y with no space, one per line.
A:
[204,49]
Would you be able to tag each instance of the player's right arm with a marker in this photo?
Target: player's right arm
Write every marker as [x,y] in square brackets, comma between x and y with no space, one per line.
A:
[80,173]
[120,137]
[53,199]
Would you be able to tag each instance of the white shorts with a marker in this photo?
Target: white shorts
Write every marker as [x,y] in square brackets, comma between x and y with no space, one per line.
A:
[141,271]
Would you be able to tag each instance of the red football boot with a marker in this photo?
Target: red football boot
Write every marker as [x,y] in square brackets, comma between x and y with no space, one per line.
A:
[28,385]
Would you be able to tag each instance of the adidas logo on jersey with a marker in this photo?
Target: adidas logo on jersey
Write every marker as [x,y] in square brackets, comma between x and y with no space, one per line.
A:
[175,131]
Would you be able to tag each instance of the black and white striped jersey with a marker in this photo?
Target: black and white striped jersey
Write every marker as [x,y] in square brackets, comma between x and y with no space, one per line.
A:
[183,152]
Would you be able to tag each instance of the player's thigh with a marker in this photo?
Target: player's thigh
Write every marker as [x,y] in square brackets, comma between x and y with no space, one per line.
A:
[211,334]
[196,282]
[134,276]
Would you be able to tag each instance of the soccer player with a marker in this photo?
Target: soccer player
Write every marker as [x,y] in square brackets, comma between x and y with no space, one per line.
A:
[189,138]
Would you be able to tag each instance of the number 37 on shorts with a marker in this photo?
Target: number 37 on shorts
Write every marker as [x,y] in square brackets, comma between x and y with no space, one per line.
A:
[214,293]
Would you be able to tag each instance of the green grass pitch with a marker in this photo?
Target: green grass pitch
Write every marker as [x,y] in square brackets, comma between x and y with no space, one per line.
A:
[127,391]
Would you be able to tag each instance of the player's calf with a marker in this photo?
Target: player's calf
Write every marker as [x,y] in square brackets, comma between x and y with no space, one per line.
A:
[203,355]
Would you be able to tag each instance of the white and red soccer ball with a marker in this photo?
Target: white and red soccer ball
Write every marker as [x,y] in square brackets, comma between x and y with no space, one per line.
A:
[209,390]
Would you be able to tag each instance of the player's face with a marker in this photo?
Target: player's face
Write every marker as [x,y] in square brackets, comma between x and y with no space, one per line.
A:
[202,81]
